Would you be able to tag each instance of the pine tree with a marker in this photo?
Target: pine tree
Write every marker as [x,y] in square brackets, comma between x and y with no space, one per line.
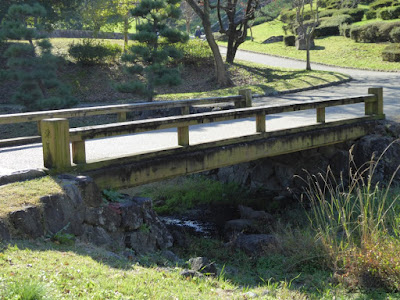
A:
[153,48]
[34,67]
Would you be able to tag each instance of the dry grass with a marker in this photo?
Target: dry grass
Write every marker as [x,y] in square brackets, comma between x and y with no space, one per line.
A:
[17,195]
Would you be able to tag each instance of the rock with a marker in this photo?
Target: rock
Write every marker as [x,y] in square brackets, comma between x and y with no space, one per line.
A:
[171,256]
[273,39]
[100,237]
[251,214]
[141,241]
[27,222]
[131,216]
[202,265]
[250,295]
[301,44]
[4,232]
[89,191]
[190,274]
[239,225]
[21,176]
[179,238]
[253,244]
[63,211]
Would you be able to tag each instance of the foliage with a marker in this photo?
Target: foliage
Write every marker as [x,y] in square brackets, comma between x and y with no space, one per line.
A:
[33,67]
[90,52]
[26,289]
[195,52]
[112,196]
[351,218]
[371,14]
[356,13]
[391,53]
[154,49]
[389,13]
[380,3]
[395,34]
[194,191]
[373,32]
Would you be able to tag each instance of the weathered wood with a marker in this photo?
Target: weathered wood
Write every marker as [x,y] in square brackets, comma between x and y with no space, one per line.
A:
[260,122]
[247,98]
[185,110]
[109,109]
[55,140]
[320,114]
[121,116]
[107,130]
[375,107]
[183,136]
[79,152]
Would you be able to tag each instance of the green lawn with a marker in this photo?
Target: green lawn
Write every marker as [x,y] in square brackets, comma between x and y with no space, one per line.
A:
[334,50]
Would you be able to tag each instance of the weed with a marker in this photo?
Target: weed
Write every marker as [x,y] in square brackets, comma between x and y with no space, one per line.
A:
[112,196]
[61,237]
[25,290]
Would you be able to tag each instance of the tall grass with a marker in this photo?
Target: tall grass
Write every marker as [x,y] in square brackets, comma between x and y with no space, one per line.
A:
[356,220]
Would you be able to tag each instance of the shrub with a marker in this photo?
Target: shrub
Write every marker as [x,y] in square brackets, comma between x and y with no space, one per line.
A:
[356,13]
[326,31]
[260,20]
[195,52]
[91,52]
[395,35]
[373,32]
[289,40]
[327,13]
[288,16]
[380,3]
[389,13]
[336,20]
[371,14]
[391,53]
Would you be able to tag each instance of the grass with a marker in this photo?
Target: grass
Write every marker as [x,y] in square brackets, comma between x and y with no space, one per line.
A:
[17,195]
[334,50]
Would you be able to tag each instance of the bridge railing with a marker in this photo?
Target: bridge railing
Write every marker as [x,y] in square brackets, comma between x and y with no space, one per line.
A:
[57,135]
[244,99]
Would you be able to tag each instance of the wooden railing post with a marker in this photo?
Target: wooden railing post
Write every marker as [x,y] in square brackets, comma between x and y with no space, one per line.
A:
[321,115]
[78,152]
[260,122]
[376,107]
[246,101]
[183,136]
[55,140]
[185,110]
[121,116]
[39,127]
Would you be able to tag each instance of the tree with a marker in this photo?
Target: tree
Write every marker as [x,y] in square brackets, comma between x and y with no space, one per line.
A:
[155,48]
[202,9]
[238,22]
[188,14]
[35,72]
[306,31]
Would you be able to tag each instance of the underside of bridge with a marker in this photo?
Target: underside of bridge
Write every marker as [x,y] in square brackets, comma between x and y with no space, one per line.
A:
[125,172]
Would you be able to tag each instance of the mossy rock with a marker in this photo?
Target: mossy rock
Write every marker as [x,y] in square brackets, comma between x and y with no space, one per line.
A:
[391,53]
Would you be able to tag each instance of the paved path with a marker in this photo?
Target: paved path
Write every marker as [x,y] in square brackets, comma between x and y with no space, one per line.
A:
[27,157]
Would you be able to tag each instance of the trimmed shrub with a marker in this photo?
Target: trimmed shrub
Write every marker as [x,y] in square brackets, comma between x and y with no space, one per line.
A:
[195,52]
[327,13]
[380,3]
[389,13]
[373,32]
[336,20]
[391,53]
[356,13]
[260,20]
[395,35]
[289,40]
[371,14]
[288,16]
[91,52]
[326,31]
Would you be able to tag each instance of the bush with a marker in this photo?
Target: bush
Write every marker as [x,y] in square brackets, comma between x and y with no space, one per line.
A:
[195,52]
[373,32]
[288,16]
[391,53]
[91,52]
[389,13]
[326,31]
[336,20]
[327,13]
[380,3]
[395,35]
[356,13]
[289,40]
[260,20]
[371,14]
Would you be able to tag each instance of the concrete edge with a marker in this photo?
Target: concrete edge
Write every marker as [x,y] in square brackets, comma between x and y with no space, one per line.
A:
[22,175]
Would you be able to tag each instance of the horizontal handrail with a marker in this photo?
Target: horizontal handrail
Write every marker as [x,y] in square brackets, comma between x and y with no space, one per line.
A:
[100,131]
[110,109]
[57,135]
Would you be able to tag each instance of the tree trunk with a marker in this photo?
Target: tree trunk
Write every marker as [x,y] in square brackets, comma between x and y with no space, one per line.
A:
[126,29]
[308,66]
[188,26]
[230,52]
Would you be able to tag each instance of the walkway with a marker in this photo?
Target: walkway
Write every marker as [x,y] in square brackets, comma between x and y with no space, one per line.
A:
[28,157]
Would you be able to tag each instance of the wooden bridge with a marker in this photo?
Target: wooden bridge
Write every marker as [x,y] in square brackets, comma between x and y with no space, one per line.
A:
[186,158]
